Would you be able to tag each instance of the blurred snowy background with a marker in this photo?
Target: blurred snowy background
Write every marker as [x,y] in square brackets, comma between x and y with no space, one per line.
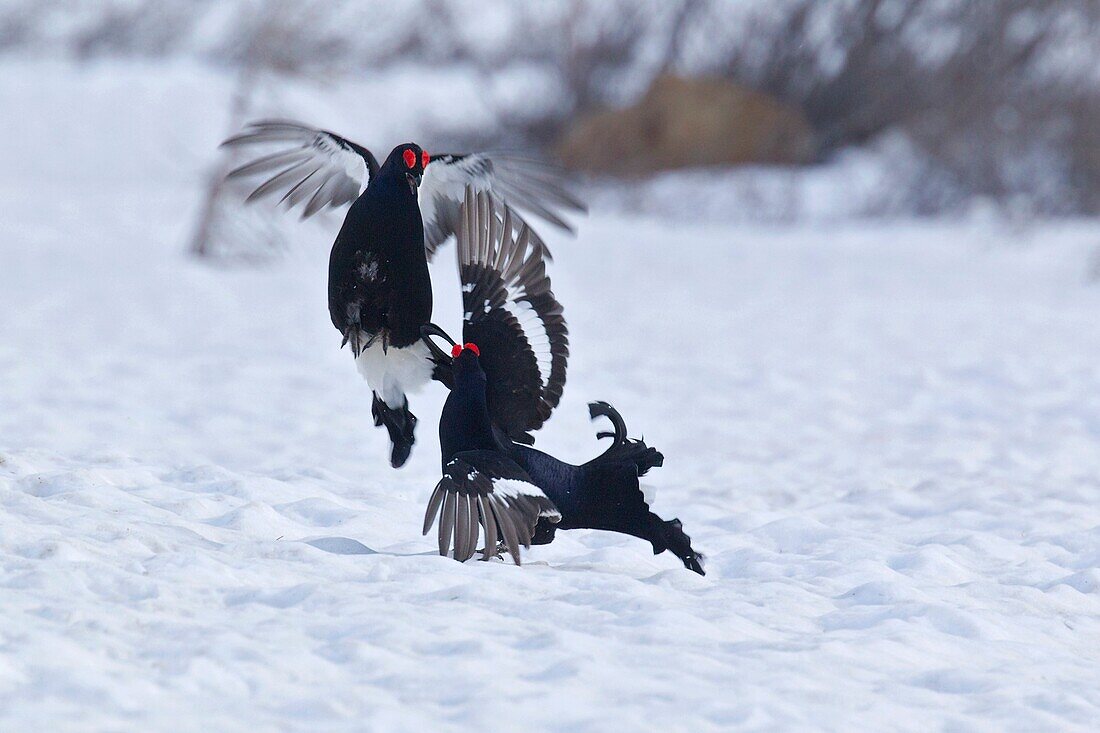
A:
[813,109]
[840,267]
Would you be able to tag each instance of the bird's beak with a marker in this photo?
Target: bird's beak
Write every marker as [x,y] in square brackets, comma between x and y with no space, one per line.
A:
[414,180]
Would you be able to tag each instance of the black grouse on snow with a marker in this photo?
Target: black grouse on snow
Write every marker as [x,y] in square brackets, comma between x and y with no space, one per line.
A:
[380,293]
[513,493]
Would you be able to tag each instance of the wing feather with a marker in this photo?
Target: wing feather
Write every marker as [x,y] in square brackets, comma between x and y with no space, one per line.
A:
[511,314]
[324,196]
[267,163]
[475,516]
[338,171]
[490,523]
[447,521]
[310,163]
[291,173]
[433,508]
[486,491]
[515,184]
[508,530]
[301,189]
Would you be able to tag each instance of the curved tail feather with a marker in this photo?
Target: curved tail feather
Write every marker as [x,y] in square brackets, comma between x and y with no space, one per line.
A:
[604,409]
[623,449]
[612,499]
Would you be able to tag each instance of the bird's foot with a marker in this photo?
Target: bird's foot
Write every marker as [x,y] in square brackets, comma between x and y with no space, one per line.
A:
[400,424]
[376,409]
[501,550]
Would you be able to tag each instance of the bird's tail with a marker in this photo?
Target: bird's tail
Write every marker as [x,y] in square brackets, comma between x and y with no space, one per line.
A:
[623,449]
[612,499]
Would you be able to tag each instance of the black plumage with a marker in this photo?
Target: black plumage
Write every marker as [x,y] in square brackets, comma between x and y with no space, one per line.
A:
[490,479]
[380,294]
[510,311]
[378,281]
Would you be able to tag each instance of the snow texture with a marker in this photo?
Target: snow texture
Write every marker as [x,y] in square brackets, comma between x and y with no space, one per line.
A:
[885,439]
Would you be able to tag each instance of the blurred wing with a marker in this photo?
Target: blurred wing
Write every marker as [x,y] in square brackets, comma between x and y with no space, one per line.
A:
[512,315]
[514,182]
[307,165]
[484,490]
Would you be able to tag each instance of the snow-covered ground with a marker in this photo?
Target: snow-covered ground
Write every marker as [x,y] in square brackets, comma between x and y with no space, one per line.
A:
[886,438]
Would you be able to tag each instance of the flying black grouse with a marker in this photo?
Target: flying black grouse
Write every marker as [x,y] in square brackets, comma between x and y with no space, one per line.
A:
[380,293]
[514,493]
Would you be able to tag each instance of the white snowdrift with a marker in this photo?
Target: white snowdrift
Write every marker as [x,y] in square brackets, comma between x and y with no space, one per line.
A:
[884,437]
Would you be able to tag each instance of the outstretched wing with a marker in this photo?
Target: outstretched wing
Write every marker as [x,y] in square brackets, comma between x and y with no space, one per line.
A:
[487,491]
[308,165]
[513,182]
[322,169]
[512,316]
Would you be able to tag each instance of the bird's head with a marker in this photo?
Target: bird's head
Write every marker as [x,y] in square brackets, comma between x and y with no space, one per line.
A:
[466,362]
[408,160]
[465,358]
[467,352]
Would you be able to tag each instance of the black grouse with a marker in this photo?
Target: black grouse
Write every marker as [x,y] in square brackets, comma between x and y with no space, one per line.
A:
[380,293]
[513,493]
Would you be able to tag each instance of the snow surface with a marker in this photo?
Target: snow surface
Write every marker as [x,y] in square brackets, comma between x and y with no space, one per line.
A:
[885,439]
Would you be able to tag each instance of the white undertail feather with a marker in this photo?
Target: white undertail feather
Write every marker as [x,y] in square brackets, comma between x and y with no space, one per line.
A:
[512,488]
[397,372]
